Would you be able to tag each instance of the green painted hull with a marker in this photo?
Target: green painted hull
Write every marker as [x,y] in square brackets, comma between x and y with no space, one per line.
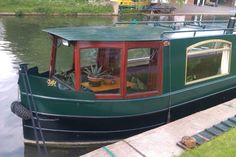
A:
[81,113]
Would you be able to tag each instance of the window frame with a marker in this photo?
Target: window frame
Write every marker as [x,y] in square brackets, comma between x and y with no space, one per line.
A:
[207,51]
[101,44]
[146,44]
[123,46]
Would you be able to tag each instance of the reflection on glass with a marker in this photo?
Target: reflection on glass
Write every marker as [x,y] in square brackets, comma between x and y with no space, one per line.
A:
[207,60]
[142,70]
[64,64]
[100,70]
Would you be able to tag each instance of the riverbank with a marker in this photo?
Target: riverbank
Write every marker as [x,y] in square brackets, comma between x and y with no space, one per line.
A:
[54,7]
[93,8]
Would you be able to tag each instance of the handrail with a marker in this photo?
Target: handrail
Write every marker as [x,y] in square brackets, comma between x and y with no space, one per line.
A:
[199,30]
[172,24]
[153,22]
[30,99]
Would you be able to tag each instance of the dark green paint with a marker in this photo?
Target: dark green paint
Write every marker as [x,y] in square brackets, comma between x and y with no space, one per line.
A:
[84,103]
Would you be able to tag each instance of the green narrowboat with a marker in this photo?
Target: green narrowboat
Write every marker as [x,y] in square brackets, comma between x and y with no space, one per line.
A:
[106,83]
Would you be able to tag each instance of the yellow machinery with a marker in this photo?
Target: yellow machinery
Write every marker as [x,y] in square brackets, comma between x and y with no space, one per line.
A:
[133,3]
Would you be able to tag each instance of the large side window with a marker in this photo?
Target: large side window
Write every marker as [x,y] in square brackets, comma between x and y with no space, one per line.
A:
[207,59]
[100,70]
[142,70]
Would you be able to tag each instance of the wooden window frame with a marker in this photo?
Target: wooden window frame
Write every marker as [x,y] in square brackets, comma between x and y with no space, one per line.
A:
[53,57]
[93,44]
[146,44]
[123,46]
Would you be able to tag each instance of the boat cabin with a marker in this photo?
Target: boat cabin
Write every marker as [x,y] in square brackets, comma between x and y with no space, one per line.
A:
[111,62]
[128,62]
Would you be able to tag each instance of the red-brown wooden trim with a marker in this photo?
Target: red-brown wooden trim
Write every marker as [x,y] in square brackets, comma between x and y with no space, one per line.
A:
[153,44]
[108,96]
[143,44]
[124,46]
[160,69]
[124,69]
[141,95]
[104,44]
[92,44]
[76,55]
[53,57]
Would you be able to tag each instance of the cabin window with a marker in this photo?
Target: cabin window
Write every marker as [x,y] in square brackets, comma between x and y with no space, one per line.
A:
[142,70]
[64,63]
[100,70]
[207,59]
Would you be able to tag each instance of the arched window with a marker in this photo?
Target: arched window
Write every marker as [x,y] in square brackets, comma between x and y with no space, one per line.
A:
[207,59]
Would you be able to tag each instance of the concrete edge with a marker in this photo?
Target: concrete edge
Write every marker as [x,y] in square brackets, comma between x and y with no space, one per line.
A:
[108,14]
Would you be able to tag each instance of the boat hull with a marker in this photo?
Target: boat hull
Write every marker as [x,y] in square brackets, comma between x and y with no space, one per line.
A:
[83,131]
[78,129]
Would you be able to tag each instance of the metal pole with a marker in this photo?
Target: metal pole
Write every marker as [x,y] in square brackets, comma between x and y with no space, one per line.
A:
[24,68]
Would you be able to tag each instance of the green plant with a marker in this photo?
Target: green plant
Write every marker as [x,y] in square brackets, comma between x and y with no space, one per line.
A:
[94,71]
[42,9]
[19,13]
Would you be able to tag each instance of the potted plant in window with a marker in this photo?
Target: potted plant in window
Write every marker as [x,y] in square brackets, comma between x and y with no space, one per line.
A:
[95,75]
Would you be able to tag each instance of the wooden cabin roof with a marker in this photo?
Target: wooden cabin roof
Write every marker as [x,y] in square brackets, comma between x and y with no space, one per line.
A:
[108,33]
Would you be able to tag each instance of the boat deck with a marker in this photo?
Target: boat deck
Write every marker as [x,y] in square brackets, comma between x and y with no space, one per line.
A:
[143,31]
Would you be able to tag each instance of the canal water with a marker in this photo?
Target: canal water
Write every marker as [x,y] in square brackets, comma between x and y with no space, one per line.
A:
[22,41]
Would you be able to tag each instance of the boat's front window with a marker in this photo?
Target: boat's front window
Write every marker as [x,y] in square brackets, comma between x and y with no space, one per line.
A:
[64,62]
[142,70]
[206,60]
[100,70]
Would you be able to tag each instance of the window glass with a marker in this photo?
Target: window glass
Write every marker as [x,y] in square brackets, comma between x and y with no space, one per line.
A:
[64,63]
[207,60]
[100,70]
[138,56]
[89,57]
[64,57]
[142,70]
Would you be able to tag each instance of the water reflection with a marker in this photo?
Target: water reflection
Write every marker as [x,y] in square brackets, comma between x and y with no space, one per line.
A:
[31,151]
[11,143]
[21,40]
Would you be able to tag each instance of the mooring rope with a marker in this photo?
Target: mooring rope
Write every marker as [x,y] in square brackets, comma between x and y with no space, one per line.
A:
[108,151]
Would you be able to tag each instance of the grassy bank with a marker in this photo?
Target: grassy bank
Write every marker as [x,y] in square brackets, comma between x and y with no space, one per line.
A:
[54,6]
[222,146]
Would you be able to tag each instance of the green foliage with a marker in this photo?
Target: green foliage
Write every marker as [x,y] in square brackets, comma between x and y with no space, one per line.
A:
[41,9]
[94,71]
[19,13]
[180,2]
[54,6]
[222,146]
